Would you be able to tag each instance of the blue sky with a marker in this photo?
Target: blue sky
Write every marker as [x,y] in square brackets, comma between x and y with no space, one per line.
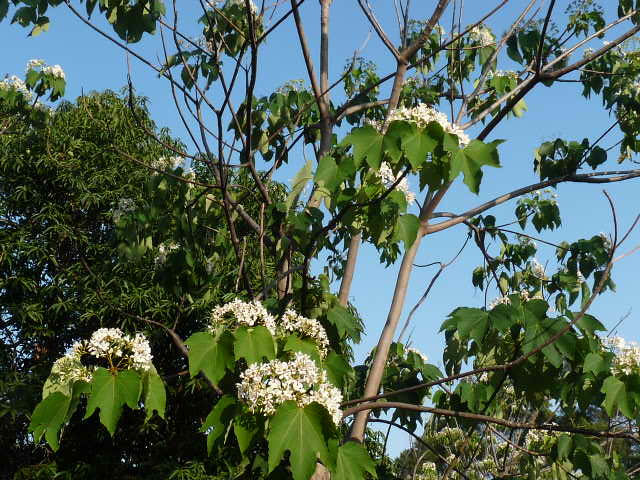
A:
[93,63]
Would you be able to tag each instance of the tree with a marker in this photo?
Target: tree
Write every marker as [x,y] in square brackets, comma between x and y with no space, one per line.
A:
[277,356]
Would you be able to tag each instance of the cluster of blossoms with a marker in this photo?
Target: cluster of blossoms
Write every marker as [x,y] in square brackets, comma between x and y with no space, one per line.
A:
[482,35]
[162,163]
[237,312]
[292,322]
[525,296]
[627,355]
[164,249]
[428,471]
[265,386]
[545,194]
[535,439]
[125,205]
[501,73]
[15,83]
[388,178]
[115,349]
[53,70]
[537,268]
[417,352]
[423,114]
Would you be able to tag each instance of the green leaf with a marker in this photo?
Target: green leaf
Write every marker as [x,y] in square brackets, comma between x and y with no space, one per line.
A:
[367,144]
[154,394]
[470,160]
[300,431]
[327,174]
[4,9]
[471,322]
[353,462]
[337,368]
[599,466]
[416,144]
[407,229]
[42,25]
[615,397]
[597,157]
[299,182]
[594,363]
[211,355]
[565,445]
[296,344]
[219,419]
[253,344]
[590,324]
[345,323]
[110,393]
[48,417]
[244,433]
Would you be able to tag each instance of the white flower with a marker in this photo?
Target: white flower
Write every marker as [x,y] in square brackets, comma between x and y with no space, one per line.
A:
[55,70]
[502,73]
[164,249]
[119,350]
[627,355]
[238,312]
[424,358]
[423,114]
[388,178]
[482,35]
[163,163]
[35,63]
[537,268]
[428,471]
[125,205]
[292,322]
[15,83]
[242,3]
[265,386]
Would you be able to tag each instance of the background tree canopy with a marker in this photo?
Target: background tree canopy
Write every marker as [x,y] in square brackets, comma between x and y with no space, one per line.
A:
[170,307]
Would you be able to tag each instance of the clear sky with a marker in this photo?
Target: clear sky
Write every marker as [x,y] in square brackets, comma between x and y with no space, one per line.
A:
[93,63]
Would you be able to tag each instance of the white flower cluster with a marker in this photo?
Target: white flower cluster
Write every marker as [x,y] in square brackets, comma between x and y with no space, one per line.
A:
[292,322]
[535,439]
[164,249]
[248,314]
[388,178]
[423,114]
[69,369]
[424,358]
[627,355]
[587,52]
[162,163]
[501,73]
[125,205]
[264,386]
[524,296]
[119,350]
[33,64]
[546,194]
[114,345]
[209,265]
[482,35]
[54,70]
[241,3]
[15,83]
[428,471]
[537,268]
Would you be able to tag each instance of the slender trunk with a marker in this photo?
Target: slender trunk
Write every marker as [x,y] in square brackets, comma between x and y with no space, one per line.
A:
[349,269]
[386,338]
